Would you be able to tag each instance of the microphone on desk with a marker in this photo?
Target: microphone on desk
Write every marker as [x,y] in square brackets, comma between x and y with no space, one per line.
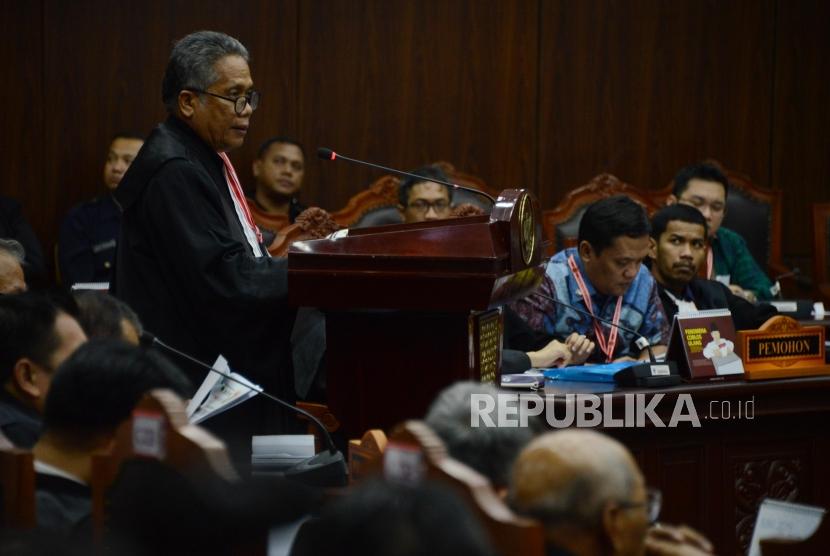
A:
[328,154]
[326,469]
[650,374]
[775,290]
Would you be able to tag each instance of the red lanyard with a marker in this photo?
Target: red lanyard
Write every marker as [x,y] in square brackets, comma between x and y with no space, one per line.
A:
[606,345]
[236,191]
[710,261]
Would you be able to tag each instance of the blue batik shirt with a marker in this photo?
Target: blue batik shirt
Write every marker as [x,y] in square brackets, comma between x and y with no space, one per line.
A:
[641,308]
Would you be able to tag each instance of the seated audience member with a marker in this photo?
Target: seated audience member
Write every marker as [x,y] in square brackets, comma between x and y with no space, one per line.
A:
[14,226]
[88,234]
[678,248]
[489,450]
[604,276]
[278,170]
[12,255]
[705,187]
[422,200]
[104,316]
[380,518]
[591,498]
[92,393]
[35,338]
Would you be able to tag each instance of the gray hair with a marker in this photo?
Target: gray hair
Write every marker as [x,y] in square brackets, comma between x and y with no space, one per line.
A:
[489,450]
[191,63]
[600,471]
[13,248]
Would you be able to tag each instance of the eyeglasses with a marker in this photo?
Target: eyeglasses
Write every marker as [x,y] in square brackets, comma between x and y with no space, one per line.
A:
[701,203]
[424,206]
[653,504]
[239,103]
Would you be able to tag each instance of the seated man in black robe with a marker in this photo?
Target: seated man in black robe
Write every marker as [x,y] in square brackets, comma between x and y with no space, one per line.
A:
[35,338]
[678,248]
[190,260]
[92,393]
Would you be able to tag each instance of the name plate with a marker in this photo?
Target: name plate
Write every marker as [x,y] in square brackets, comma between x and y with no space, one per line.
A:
[782,348]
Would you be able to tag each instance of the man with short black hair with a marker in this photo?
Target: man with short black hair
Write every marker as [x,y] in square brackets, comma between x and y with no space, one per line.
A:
[35,338]
[94,391]
[604,276]
[422,200]
[193,264]
[88,234]
[678,249]
[103,316]
[705,187]
[12,278]
[278,169]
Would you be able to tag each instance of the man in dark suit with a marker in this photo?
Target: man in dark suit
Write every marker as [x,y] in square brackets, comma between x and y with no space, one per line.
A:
[678,248]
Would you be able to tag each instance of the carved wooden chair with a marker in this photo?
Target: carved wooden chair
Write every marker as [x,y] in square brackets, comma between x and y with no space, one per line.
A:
[821,251]
[159,430]
[378,204]
[510,534]
[366,455]
[561,224]
[17,487]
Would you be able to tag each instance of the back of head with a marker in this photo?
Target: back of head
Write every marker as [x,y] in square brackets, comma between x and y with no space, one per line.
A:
[607,219]
[13,248]
[489,450]
[703,171]
[676,212]
[565,478]
[101,315]
[12,278]
[386,519]
[98,386]
[27,329]
[426,173]
[191,63]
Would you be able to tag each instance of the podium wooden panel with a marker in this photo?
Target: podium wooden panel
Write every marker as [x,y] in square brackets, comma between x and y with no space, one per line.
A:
[410,308]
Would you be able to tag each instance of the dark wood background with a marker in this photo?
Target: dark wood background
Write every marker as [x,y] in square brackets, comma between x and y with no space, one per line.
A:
[542,94]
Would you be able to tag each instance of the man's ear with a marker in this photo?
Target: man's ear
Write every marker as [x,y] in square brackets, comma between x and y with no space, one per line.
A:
[187,102]
[401,208]
[613,527]
[586,251]
[652,248]
[671,200]
[23,377]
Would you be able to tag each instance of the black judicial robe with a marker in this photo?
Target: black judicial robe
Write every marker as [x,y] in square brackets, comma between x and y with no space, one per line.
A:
[184,266]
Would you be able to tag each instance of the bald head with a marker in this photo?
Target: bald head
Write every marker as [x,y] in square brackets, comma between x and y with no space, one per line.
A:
[581,484]
[11,272]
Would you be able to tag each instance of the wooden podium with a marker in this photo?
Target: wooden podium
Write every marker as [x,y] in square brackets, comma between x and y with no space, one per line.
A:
[412,308]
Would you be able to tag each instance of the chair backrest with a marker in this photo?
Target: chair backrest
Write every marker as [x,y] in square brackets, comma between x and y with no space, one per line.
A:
[378,204]
[324,414]
[366,455]
[821,249]
[753,212]
[17,487]
[428,459]
[158,429]
[561,224]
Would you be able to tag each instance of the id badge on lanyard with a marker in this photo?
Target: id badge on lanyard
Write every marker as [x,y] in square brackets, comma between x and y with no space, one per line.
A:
[608,344]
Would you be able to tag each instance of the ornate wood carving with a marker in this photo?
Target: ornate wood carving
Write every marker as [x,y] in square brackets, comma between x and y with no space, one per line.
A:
[759,479]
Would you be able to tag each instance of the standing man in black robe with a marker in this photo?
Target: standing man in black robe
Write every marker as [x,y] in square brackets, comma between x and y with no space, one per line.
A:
[190,259]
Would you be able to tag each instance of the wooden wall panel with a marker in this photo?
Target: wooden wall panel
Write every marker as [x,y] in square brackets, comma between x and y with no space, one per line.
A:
[641,88]
[405,83]
[801,117]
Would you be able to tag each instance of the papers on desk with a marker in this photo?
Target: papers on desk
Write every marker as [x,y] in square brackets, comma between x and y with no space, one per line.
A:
[589,373]
[218,394]
[784,520]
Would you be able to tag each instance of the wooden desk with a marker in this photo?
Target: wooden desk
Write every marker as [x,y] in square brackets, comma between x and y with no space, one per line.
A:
[714,477]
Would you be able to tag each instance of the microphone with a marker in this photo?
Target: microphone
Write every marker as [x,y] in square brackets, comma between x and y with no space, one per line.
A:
[651,374]
[323,469]
[328,154]
[775,290]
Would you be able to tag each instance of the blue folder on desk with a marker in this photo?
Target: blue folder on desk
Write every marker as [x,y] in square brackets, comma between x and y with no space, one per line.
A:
[588,373]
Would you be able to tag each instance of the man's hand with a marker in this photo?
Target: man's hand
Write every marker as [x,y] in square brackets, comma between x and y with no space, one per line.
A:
[581,348]
[746,294]
[555,354]
[670,540]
